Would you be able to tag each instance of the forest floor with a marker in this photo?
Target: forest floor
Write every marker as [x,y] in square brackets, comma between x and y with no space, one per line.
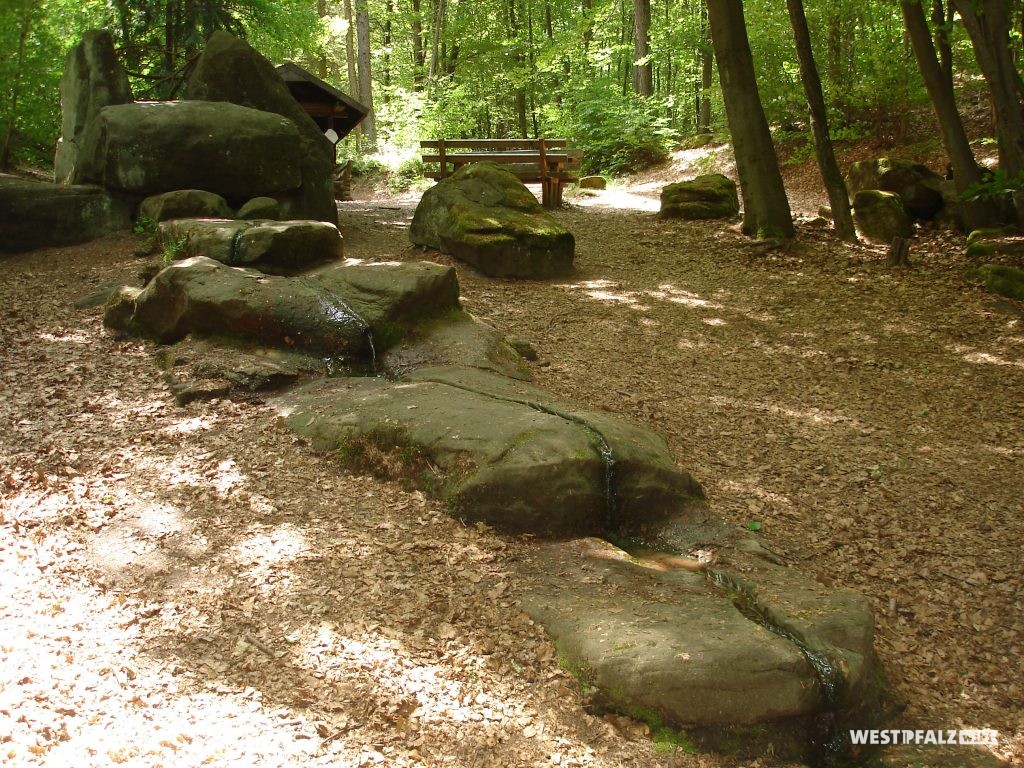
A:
[186,586]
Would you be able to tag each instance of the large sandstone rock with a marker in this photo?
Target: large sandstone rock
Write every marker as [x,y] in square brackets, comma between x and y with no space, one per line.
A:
[483,215]
[36,214]
[712,196]
[1001,279]
[230,70]
[509,454]
[184,204]
[93,78]
[919,187]
[147,148]
[342,313]
[280,247]
[740,642]
[881,216]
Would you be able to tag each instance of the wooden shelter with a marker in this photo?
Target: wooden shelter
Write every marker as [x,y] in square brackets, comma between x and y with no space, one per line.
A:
[330,108]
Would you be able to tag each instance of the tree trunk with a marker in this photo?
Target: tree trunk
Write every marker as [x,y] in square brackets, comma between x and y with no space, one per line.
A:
[588,24]
[321,58]
[988,24]
[15,89]
[766,212]
[643,84]
[940,90]
[418,54]
[389,12]
[440,13]
[838,196]
[707,77]
[941,25]
[365,74]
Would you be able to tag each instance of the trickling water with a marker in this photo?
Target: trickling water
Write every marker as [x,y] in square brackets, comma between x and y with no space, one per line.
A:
[610,495]
[342,316]
[373,350]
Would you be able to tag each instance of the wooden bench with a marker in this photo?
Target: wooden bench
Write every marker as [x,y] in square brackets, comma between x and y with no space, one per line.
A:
[551,162]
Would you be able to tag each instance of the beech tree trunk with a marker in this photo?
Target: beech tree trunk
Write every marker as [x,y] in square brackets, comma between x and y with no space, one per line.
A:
[15,89]
[643,84]
[707,73]
[766,212]
[365,74]
[419,58]
[940,90]
[838,196]
[988,24]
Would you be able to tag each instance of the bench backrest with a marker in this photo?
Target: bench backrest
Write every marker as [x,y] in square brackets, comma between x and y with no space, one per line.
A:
[530,159]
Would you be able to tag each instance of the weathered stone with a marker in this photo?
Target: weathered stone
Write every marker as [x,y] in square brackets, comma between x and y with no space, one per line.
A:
[260,208]
[150,147]
[457,339]
[230,70]
[38,214]
[697,141]
[880,216]
[509,454]
[327,314]
[919,187]
[271,246]
[485,216]
[1004,241]
[712,196]
[93,78]
[1002,279]
[593,182]
[705,645]
[184,204]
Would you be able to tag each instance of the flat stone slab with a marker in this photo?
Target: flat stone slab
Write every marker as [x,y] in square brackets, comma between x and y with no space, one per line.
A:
[280,247]
[342,313]
[507,453]
[38,214]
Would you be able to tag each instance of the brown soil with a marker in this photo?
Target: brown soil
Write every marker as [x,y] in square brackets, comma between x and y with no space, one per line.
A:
[184,586]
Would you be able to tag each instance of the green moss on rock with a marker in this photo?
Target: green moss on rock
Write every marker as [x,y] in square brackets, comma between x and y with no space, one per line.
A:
[1002,279]
[712,196]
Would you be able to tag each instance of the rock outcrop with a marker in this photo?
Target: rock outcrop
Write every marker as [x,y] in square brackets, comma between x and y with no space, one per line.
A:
[341,313]
[919,187]
[881,216]
[146,148]
[39,215]
[93,78]
[509,454]
[231,70]
[483,215]
[278,247]
[712,196]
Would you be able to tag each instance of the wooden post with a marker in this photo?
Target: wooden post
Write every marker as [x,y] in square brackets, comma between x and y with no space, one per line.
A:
[899,252]
[444,163]
[545,191]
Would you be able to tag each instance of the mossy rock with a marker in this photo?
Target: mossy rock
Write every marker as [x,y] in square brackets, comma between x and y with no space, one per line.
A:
[184,204]
[712,196]
[919,187]
[1008,241]
[1002,279]
[485,216]
[881,216]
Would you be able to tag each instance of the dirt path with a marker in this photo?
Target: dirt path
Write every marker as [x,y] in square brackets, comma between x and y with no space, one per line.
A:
[192,585]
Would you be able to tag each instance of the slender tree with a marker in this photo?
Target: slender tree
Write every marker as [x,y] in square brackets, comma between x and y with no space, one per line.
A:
[643,85]
[838,196]
[365,72]
[988,24]
[766,210]
[940,89]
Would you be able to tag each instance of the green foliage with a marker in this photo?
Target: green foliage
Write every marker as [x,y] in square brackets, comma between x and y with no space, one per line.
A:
[174,249]
[995,186]
[619,133]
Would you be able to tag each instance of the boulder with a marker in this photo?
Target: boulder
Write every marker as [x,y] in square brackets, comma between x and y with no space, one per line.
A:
[506,453]
[39,215]
[593,182]
[706,646]
[483,215]
[147,148]
[1001,279]
[259,208]
[919,187]
[881,216]
[93,78]
[327,314]
[712,196]
[184,204]
[271,246]
[990,241]
[230,70]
